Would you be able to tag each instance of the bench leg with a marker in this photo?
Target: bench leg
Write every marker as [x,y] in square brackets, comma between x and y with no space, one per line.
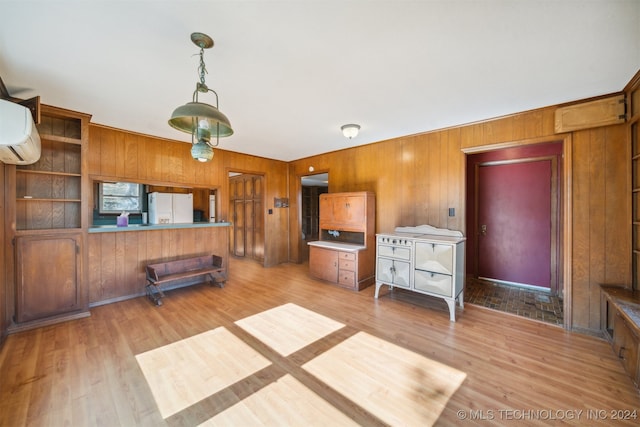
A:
[154,294]
[221,282]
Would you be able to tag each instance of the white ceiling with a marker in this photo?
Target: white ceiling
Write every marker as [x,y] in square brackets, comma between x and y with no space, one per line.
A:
[290,73]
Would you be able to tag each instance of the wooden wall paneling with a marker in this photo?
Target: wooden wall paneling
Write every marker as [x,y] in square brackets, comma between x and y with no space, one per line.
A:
[431,214]
[405,186]
[580,227]
[597,221]
[93,149]
[617,169]
[130,161]
[154,150]
[471,136]
[387,213]
[4,318]
[455,181]
[444,179]
[108,267]
[108,157]
[131,282]
[154,246]
[499,130]
[120,154]
[94,267]
[517,127]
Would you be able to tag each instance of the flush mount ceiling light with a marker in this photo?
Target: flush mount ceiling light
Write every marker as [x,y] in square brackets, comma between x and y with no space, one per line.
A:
[350,130]
[201,120]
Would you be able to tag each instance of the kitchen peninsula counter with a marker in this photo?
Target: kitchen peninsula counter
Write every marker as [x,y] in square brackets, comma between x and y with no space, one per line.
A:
[151,227]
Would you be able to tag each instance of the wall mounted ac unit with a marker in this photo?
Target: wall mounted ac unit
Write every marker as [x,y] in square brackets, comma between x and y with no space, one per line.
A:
[19,138]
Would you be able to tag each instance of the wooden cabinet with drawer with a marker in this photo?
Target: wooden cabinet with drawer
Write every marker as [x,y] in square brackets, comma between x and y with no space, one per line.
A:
[625,345]
[347,269]
[620,324]
[341,267]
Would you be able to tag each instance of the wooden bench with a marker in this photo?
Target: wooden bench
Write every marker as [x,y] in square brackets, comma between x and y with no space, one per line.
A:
[170,271]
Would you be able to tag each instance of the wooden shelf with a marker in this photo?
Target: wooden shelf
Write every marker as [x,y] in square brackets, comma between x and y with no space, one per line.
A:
[57,138]
[34,199]
[31,171]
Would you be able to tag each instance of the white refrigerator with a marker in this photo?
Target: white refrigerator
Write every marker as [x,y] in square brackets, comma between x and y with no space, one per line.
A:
[170,208]
[182,208]
[212,208]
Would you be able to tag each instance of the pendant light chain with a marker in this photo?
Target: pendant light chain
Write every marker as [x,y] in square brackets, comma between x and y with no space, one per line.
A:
[202,69]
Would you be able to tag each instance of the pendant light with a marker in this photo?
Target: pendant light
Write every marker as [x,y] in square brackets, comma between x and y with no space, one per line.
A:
[199,119]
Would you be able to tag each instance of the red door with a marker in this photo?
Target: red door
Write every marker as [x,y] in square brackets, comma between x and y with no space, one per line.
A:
[516,221]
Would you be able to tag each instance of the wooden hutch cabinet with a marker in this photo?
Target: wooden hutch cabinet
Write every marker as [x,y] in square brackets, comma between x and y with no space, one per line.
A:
[50,222]
[345,253]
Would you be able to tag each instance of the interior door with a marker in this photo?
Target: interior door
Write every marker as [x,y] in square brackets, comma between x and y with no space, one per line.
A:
[516,221]
[238,228]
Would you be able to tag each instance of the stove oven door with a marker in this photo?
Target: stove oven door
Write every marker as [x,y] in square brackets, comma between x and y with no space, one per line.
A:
[393,272]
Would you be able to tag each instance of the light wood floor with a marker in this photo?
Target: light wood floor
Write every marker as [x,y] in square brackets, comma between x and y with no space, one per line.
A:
[85,372]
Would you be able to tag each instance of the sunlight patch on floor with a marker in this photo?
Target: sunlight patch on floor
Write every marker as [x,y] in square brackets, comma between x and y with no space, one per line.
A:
[289,327]
[286,402]
[396,385]
[187,371]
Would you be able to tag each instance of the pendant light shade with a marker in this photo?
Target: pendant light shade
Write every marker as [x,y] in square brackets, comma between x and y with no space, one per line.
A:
[187,117]
[203,121]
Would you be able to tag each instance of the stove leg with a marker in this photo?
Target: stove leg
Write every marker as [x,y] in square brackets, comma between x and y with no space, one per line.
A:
[452,308]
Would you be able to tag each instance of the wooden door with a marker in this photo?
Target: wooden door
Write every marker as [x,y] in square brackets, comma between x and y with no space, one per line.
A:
[516,221]
[258,229]
[257,223]
[238,228]
[247,236]
[47,276]
[249,224]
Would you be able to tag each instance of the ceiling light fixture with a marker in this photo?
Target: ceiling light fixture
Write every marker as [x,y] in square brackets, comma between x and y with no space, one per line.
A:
[350,131]
[201,120]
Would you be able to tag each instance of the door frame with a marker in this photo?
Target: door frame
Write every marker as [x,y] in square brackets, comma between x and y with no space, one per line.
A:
[556,256]
[566,214]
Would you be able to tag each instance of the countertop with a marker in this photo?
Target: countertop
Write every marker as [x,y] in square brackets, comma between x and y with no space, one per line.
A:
[626,300]
[151,227]
[349,247]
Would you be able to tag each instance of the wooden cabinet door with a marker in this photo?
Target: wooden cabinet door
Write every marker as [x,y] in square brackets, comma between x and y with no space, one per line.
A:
[326,210]
[47,276]
[343,212]
[323,264]
[625,345]
[350,210]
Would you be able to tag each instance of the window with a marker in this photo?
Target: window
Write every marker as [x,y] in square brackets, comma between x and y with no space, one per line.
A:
[118,197]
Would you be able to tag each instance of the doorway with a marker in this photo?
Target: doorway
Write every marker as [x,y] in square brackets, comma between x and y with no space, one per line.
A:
[312,187]
[247,215]
[514,228]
